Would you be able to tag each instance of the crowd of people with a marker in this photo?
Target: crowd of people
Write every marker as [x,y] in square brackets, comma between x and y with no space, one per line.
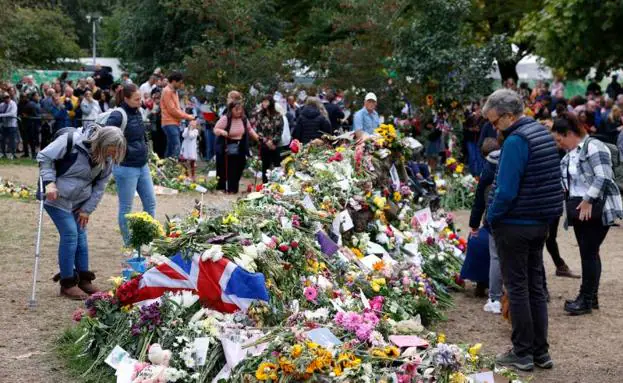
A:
[542,155]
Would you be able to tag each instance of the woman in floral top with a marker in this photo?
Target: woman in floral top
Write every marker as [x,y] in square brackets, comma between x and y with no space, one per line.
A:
[269,127]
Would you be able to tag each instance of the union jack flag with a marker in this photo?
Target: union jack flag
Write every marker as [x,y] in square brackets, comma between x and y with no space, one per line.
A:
[221,285]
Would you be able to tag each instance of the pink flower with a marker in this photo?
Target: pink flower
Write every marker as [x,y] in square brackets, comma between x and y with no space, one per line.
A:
[311,294]
[450,218]
[376,303]
[77,315]
[364,330]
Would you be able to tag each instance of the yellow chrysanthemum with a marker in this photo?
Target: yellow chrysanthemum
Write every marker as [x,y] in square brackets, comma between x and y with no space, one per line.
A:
[296,350]
[475,349]
[441,338]
[392,351]
[357,252]
[458,377]
[397,196]
[266,370]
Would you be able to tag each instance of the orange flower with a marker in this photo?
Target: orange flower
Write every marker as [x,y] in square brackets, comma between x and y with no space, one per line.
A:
[378,266]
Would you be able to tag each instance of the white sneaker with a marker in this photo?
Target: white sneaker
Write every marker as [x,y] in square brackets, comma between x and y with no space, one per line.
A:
[494,307]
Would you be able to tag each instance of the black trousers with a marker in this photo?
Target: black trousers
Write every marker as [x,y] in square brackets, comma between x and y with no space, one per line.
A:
[229,171]
[30,139]
[590,235]
[520,248]
[552,245]
[270,159]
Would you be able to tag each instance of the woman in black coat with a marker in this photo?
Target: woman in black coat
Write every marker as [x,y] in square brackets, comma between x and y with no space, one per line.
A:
[312,121]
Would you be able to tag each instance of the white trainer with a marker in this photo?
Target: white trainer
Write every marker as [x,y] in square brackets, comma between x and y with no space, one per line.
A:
[494,307]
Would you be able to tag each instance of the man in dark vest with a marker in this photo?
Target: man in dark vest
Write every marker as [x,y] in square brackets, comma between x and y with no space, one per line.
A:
[526,196]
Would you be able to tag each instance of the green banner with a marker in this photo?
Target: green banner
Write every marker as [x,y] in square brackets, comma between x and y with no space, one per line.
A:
[49,76]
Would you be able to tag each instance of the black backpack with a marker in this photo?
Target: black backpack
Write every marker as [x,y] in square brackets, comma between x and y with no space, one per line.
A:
[63,164]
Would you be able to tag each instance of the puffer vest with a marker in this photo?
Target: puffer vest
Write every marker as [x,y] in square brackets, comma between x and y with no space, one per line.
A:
[540,195]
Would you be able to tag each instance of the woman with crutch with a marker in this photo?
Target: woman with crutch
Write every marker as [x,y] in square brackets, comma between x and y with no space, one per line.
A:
[75,169]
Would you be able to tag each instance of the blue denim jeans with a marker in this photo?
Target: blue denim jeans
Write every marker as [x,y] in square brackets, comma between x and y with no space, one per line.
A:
[9,134]
[73,249]
[495,273]
[173,141]
[210,142]
[130,180]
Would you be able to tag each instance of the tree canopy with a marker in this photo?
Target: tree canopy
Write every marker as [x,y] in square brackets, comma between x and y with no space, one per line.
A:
[35,37]
[577,35]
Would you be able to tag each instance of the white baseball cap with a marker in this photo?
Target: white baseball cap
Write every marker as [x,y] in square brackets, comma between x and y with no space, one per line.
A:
[370,96]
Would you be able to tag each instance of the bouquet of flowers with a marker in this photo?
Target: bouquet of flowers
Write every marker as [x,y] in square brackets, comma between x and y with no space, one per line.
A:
[12,190]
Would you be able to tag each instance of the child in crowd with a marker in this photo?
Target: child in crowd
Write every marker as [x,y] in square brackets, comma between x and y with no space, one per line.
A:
[188,155]
[491,151]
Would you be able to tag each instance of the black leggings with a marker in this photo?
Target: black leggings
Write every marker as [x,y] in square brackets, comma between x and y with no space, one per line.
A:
[590,235]
[229,171]
[270,158]
[552,245]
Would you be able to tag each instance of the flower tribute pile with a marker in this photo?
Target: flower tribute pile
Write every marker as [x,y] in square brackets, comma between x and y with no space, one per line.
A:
[355,270]
[170,173]
[13,190]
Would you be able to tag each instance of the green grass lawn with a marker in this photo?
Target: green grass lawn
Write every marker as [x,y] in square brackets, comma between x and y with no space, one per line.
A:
[18,161]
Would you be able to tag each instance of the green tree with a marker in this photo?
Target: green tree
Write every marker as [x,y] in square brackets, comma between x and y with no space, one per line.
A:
[577,35]
[439,57]
[35,37]
[241,46]
[499,21]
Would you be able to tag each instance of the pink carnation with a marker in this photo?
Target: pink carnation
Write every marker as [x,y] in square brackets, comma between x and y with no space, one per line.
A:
[377,303]
[311,294]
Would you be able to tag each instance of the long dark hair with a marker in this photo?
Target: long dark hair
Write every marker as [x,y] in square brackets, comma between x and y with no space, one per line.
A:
[124,91]
[271,105]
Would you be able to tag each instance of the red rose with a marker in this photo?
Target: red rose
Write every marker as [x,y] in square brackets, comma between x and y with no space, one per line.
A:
[295,146]
[249,188]
[284,248]
[259,188]
[294,245]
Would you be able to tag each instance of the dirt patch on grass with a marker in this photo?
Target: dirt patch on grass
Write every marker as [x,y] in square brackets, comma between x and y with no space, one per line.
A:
[585,348]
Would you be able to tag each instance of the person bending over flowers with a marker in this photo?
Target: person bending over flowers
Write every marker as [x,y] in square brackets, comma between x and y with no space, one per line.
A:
[74,186]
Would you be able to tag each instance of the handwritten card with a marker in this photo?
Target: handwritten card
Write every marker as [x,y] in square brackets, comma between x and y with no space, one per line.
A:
[393,172]
[116,357]
[347,221]
[308,203]
[323,336]
[424,217]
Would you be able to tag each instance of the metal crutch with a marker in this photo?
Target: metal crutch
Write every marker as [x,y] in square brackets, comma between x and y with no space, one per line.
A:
[33,301]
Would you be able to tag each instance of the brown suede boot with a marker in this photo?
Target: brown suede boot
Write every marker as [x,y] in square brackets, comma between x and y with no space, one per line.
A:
[85,282]
[70,289]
